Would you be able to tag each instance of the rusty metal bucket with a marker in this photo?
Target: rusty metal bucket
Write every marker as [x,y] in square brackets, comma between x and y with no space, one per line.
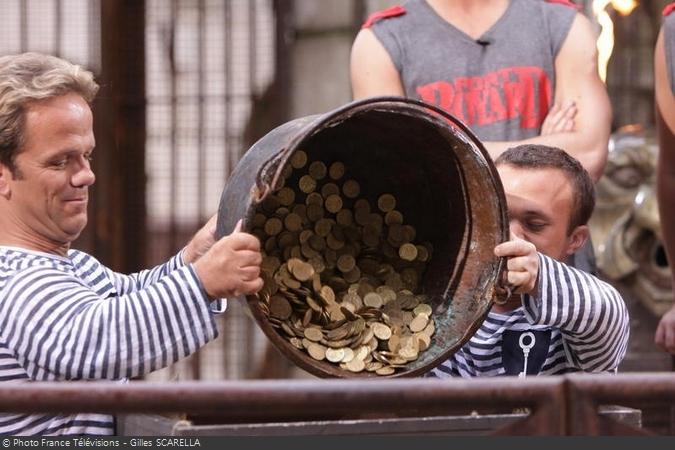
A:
[445,183]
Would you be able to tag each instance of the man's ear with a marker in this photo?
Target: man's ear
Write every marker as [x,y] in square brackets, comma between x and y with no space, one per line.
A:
[5,177]
[577,239]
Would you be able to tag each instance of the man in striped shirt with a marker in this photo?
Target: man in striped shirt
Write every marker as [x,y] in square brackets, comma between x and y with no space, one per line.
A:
[560,319]
[63,315]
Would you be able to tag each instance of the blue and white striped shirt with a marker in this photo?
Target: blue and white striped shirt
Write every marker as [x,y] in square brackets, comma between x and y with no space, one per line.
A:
[575,323]
[71,318]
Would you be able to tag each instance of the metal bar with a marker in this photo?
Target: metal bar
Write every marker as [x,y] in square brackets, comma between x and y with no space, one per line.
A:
[656,388]
[58,28]
[284,399]
[23,18]
[173,231]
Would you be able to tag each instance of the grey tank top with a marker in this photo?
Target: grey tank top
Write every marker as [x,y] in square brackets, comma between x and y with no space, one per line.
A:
[500,85]
[669,47]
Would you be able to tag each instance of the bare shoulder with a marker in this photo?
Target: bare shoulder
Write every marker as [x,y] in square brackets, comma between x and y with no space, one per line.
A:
[372,70]
[665,100]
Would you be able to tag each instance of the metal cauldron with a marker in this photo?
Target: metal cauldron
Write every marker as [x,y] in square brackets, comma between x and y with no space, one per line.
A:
[446,186]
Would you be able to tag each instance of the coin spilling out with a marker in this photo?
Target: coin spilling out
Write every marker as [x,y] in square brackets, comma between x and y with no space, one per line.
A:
[342,276]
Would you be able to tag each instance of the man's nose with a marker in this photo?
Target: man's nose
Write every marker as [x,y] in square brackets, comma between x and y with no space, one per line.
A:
[84,176]
[516,229]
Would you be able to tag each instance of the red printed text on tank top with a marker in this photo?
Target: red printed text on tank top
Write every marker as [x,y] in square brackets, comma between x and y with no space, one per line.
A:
[522,93]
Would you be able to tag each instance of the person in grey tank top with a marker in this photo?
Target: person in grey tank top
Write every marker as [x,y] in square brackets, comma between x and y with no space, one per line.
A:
[664,76]
[515,71]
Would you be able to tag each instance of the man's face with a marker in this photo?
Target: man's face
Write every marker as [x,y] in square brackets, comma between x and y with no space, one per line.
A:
[539,207]
[49,194]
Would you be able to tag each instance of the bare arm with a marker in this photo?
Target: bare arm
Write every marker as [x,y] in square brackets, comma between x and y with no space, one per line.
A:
[372,71]
[665,180]
[577,81]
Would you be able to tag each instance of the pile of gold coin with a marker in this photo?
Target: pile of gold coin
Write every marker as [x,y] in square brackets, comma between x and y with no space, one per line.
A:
[341,275]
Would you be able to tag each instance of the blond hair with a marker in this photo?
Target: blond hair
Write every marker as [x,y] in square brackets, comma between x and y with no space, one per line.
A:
[30,77]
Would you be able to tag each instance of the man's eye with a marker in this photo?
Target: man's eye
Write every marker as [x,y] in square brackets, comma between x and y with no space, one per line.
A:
[536,226]
[60,164]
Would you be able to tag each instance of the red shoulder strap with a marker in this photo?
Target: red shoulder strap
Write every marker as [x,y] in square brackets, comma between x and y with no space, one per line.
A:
[566,3]
[668,9]
[384,14]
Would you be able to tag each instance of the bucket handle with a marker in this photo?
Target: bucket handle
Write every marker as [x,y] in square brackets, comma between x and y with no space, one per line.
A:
[263,188]
[504,288]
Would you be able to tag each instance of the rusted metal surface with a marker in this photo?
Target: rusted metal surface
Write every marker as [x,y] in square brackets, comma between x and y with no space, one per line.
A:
[586,392]
[446,185]
[566,405]
[288,400]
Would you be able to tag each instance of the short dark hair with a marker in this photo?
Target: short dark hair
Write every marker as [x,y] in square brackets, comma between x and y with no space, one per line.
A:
[533,156]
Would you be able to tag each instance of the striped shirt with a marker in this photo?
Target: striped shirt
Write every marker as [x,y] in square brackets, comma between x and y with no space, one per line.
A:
[575,323]
[71,318]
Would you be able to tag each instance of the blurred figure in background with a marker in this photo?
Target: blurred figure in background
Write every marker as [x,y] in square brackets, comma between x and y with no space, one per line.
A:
[664,77]
[514,71]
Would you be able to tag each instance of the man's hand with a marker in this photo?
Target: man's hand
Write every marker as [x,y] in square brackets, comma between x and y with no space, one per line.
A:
[560,119]
[665,332]
[202,241]
[231,267]
[522,265]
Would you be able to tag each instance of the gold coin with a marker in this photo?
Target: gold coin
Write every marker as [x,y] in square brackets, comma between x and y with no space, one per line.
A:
[373,300]
[345,263]
[317,170]
[301,270]
[273,226]
[407,252]
[328,294]
[298,159]
[351,189]
[286,196]
[335,354]
[317,351]
[315,212]
[356,365]
[313,334]
[386,370]
[333,204]
[317,242]
[329,189]
[307,184]
[349,355]
[353,275]
[381,331]
[361,352]
[422,253]
[419,323]
[422,308]
[323,227]
[293,222]
[280,308]
[344,217]
[394,343]
[336,170]
[386,202]
[424,341]
[333,242]
[393,217]
[259,220]
[314,198]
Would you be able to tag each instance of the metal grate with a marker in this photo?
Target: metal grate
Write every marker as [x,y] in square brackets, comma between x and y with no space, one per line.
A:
[207,60]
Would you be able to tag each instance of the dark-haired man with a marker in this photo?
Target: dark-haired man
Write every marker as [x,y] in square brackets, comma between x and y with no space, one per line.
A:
[560,319]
